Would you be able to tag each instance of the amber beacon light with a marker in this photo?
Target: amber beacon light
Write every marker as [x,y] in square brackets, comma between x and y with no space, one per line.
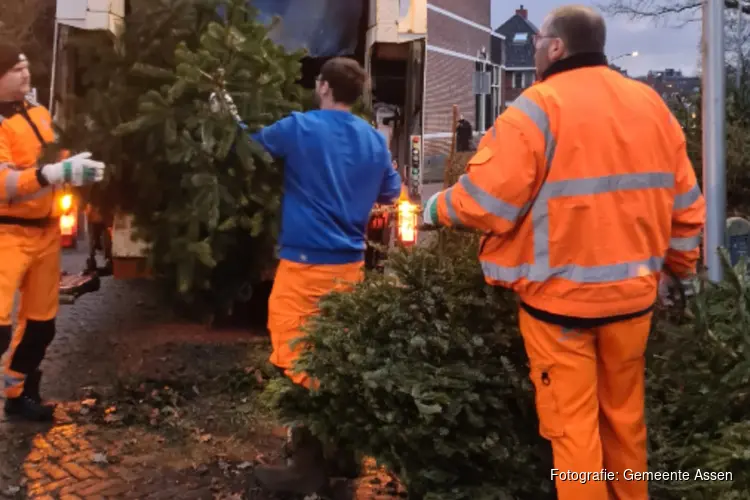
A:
[407,222]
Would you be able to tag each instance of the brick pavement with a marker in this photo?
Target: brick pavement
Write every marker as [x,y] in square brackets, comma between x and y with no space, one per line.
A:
[70,461]
[64,463]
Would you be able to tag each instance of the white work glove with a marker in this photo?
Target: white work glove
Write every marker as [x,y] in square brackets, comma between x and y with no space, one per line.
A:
[223,101]
[77,170]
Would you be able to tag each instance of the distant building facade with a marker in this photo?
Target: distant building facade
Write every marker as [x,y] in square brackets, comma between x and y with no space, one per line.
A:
[671,84]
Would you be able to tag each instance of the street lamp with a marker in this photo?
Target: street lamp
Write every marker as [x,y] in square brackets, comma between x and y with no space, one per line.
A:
[714,137]
[628,54]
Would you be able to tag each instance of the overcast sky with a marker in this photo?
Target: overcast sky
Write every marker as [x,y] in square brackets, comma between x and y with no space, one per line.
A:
[658,47]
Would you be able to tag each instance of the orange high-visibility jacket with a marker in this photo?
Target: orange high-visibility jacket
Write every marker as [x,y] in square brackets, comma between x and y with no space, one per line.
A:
[586,191]
[23,192]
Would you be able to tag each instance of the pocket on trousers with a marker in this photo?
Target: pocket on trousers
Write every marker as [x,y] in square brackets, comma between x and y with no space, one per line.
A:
[551,424]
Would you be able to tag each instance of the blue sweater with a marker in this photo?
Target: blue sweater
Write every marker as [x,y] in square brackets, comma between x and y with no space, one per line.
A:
[337,166]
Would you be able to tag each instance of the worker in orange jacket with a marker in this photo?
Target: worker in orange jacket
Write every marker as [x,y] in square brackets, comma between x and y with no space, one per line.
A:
[585,192]
[29,233]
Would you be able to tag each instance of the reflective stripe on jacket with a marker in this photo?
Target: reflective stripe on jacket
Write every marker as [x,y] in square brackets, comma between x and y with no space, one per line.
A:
[21,194]
[585,191]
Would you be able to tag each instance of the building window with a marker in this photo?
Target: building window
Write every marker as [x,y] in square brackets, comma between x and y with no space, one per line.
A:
[518,80]
[477,102]
[495,92]
[520,38]
[522,79]
[487,68]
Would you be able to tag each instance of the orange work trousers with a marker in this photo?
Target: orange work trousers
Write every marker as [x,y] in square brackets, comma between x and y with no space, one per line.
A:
[590,389]
[297,290]
[29,264]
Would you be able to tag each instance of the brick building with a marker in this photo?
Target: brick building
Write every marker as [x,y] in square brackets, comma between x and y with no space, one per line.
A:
[459,43]
[517,44]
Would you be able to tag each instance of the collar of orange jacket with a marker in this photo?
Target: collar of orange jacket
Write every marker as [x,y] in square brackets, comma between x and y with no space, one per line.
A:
[10,108]
[584,60]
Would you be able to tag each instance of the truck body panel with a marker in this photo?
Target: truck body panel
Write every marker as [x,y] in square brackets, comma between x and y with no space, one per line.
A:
[394,44]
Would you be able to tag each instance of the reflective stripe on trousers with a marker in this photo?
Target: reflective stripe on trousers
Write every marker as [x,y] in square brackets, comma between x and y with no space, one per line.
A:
[13,380]
[541,270]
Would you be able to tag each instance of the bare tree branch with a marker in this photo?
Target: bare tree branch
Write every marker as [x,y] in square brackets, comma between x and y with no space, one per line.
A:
[17,19]
[682,11]
[672,12]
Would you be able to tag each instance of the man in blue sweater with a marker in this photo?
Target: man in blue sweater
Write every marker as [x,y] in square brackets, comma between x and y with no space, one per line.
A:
[337,166]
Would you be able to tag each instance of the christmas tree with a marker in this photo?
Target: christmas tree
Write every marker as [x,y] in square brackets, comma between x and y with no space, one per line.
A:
[424,370]
[202,193]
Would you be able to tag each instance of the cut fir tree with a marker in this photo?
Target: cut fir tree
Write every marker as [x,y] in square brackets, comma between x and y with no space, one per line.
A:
[203,195]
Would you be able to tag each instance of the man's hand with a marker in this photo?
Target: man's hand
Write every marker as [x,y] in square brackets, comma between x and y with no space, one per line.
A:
[673,291]
[77,170]
[666,290]
[223,101]
[429,212]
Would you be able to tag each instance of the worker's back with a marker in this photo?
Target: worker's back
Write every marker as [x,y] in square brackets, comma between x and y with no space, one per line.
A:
[335,169]
[601,224]
[621,133]
[621,124]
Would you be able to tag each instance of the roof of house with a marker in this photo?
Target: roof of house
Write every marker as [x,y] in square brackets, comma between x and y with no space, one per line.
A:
[519,50]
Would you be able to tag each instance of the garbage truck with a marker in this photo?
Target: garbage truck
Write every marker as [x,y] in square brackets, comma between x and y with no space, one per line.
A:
[388,37]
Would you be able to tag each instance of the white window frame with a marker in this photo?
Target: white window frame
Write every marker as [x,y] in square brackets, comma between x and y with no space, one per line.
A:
[527,79]
[495,91]
[514,76]
[531,78]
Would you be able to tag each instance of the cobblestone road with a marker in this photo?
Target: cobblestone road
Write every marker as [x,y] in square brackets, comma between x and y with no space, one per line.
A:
[104,339]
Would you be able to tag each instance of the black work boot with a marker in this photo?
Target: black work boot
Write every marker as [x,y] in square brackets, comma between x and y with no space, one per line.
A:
[91,265]
[31,387]
[305,471]
[30,405]
[343,464]
[339,462]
